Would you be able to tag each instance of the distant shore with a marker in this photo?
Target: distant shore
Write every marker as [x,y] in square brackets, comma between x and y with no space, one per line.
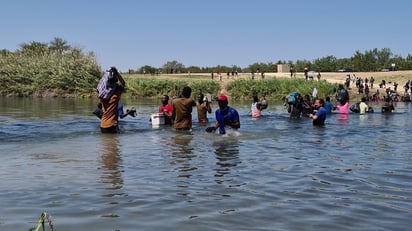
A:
[390,77]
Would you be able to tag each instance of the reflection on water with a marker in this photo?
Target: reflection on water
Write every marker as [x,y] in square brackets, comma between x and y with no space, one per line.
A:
[343,118]
[182,153]
[227,155]
[111,164]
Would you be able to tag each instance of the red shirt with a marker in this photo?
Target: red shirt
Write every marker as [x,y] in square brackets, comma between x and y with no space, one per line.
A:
[167,110]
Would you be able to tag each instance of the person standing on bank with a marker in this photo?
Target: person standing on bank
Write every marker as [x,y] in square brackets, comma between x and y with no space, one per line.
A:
[203,108]
[320,116]
[182,110]
[110,101]
[225,116]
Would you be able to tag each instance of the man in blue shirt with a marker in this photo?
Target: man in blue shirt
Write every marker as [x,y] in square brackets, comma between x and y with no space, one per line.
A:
[225,116]
[328,106]
[320,116]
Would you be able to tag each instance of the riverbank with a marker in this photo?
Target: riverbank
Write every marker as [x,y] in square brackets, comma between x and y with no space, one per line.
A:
[391,77]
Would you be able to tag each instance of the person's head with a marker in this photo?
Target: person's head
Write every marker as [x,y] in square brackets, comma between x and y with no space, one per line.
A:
[363,99]
[340,86]
[223,102]
[327,99]
[186,92]
[255,99]
[319,103]
[165,99]
[200,98]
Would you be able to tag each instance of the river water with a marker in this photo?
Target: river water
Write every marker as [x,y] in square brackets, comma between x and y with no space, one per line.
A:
[274,174]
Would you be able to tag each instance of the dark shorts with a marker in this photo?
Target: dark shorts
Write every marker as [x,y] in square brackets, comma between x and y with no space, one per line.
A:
[112,129]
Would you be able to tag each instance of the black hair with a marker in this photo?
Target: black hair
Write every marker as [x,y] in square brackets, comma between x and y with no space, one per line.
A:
[186,92]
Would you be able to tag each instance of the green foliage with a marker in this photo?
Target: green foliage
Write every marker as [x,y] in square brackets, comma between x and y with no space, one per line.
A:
[38,68]
[370,60]
[139,87]
[205,87]
[276,89]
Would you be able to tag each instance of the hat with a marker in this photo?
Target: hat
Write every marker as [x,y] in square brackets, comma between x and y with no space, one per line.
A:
[222,98]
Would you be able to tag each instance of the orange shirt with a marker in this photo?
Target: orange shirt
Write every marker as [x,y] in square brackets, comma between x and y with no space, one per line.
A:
[109,107]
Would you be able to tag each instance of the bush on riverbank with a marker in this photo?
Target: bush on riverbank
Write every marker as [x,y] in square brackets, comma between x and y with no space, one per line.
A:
[144,87]
[53,69]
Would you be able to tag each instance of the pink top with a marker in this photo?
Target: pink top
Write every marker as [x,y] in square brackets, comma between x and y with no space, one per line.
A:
[343,109]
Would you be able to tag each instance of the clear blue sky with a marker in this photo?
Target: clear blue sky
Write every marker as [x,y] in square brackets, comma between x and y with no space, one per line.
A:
[134,33]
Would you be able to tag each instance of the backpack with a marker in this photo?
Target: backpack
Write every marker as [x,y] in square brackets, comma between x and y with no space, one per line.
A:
[342,96]
[293,98]
[355,108]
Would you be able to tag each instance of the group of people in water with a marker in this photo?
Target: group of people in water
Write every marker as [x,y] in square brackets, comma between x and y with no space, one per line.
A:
[178,112]
[317,109]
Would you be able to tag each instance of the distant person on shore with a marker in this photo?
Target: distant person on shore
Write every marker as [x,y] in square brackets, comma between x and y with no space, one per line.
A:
[371,81]
[110,92]
[182,110]
[203,108]
[226,117]
[305,73]
[319,115]
[166,109]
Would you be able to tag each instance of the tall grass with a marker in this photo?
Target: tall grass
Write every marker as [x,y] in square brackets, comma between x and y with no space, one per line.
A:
[276,89]
[151,87]
[26,75]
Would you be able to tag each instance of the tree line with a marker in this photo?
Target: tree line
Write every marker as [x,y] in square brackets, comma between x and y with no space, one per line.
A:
[56,68]
[369,61]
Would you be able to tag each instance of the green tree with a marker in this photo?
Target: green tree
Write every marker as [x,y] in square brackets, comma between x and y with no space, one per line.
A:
[173,67]
[59,45]
[34,48]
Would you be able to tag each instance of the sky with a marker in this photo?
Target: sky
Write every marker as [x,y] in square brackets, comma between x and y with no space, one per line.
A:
[130,34]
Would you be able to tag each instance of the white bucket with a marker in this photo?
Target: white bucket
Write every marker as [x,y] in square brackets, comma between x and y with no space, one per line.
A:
[157,119]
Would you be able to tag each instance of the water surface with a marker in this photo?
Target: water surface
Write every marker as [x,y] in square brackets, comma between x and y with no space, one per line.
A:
[274,174]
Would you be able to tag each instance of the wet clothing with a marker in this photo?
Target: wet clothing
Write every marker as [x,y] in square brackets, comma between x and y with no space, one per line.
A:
[168,110]
[321,114]
[328,107]
[110,111]
[255,108]
[343,109]
[225,117]
[182,109]
[363,108]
